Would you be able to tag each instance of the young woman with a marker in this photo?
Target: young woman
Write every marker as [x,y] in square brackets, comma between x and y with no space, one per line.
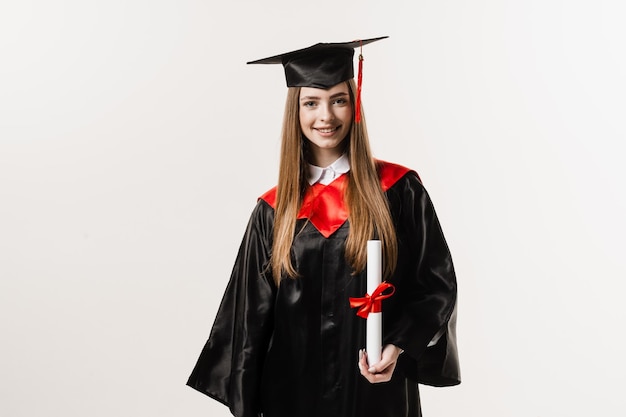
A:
[285,341]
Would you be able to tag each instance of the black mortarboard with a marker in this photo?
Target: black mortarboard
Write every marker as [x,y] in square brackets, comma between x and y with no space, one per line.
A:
[322,65]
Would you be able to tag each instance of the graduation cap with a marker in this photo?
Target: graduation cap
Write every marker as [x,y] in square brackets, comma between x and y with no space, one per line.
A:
[322,65]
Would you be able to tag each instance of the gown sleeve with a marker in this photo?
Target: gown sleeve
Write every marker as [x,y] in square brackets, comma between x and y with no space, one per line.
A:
[229,367]
[424,306]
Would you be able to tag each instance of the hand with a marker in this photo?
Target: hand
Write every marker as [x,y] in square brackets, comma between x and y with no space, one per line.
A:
[383,370]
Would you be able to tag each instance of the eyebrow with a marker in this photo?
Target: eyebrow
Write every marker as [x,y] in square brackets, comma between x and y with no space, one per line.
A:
[318,98]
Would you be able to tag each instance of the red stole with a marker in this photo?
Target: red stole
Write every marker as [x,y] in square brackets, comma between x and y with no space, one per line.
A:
[324,205]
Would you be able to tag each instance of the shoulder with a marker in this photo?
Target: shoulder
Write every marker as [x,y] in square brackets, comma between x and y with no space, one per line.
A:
[390,174]
[269,197]
[403,186]
[262,219]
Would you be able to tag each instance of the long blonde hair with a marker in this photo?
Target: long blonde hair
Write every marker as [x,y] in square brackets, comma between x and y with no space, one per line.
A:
[368,207]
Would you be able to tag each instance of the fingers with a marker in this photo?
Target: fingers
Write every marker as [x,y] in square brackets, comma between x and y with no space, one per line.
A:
[381,365]
[381,372]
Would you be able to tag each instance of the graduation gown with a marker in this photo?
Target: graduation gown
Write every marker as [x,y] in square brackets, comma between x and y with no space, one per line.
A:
[292,350]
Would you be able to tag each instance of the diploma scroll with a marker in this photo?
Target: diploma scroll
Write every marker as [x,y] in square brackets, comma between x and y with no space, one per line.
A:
[374,326]
[370,306]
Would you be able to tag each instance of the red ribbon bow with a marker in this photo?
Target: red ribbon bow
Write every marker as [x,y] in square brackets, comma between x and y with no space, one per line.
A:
[372,303]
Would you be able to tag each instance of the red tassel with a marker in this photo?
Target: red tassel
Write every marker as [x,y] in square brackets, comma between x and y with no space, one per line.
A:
[357,112]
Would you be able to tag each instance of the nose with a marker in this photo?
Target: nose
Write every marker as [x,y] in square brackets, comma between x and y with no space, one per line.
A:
[326,113]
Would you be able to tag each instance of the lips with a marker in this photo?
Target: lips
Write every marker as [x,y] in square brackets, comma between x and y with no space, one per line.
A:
[327,129]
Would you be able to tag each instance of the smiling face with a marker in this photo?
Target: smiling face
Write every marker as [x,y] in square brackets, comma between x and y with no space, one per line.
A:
[325,120]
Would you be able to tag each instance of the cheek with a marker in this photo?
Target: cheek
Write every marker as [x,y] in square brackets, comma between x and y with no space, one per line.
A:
[347,114]
[305,119]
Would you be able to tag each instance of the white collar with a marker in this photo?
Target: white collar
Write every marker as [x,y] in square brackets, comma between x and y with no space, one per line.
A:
[327,175]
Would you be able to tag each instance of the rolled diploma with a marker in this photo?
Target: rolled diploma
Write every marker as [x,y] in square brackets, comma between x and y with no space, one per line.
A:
[374,323]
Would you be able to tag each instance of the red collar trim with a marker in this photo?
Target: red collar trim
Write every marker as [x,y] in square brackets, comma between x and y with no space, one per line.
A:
[324,205]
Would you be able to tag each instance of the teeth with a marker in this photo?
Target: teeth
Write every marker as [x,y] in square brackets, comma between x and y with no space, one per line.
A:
[327,130]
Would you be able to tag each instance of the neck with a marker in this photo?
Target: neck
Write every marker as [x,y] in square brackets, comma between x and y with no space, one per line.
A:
[324,157]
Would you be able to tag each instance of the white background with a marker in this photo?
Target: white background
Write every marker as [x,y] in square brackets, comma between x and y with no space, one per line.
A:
[134,141]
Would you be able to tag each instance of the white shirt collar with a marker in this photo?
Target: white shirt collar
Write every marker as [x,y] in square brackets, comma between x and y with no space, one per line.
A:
[327,175]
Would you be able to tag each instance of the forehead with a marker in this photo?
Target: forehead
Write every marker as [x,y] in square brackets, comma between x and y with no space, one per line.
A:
[342,87]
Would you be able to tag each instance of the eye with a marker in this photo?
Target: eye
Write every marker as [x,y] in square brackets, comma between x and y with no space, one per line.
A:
[309,104]
[340,101]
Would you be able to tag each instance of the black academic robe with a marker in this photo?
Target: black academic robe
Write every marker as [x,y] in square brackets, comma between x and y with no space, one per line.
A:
[292,350]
